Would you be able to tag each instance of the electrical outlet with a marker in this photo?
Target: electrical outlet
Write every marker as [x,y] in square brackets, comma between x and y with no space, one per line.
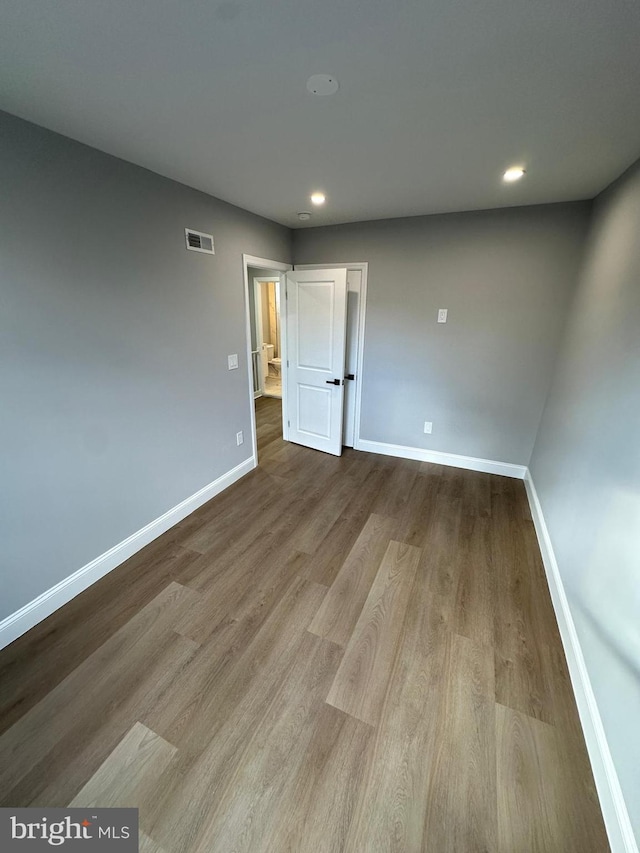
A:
[428,427]
[239,438]
[442,315]
[232,361]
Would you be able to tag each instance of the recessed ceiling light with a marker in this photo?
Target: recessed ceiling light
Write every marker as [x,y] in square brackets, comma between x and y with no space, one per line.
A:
[318,198]
[322,84]
[513,174]
[304,215]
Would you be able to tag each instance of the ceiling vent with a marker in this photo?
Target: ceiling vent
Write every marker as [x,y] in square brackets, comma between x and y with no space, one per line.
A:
[199,242]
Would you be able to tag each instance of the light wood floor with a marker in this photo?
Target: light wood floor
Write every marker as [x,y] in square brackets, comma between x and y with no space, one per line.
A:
[354,654]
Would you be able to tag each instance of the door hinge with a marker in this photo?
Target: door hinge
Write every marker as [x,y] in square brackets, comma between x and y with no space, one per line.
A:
[289,423]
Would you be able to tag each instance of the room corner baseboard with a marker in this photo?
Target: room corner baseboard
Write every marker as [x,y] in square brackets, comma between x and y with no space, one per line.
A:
[471,463]
[44,605]
[614,810]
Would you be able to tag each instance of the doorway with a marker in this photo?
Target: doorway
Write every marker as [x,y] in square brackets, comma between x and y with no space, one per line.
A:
[357,274]
[257,271]
[267,324]
[357,277]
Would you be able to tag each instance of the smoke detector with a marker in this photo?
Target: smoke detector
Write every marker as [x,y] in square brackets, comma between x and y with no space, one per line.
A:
[304,216]
[322,84]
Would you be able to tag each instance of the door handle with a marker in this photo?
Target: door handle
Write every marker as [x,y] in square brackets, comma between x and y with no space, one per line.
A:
[332,381]
[350,376]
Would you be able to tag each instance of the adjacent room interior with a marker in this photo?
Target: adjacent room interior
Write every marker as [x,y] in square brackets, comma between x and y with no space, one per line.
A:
[320,482]
[264,308]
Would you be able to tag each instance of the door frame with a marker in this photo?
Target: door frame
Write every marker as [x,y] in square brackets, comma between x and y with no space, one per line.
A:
[363,266]
[257,318]
[281,267]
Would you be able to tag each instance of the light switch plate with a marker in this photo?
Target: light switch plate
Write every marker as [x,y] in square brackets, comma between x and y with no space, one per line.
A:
[442,315]
[233,361]
[239,438]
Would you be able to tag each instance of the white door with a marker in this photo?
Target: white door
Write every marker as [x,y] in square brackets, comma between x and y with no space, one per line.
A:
[316,310]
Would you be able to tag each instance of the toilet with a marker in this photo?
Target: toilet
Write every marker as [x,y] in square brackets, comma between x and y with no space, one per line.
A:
[275,364]
[266,356]
[271,365]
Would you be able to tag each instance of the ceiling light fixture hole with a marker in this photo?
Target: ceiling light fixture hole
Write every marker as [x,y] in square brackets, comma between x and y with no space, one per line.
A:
[322,84]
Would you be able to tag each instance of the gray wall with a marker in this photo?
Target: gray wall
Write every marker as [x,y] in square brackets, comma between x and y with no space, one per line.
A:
[506,277]
[586,468]
[116,399]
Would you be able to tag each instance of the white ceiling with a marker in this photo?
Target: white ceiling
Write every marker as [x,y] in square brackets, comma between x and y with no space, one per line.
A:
[436,98]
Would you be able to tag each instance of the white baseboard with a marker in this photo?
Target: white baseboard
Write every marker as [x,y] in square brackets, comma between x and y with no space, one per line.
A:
[488,466]
[44,605]
[614,810]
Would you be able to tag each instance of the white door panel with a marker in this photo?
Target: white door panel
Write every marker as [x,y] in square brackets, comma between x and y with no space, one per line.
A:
[316,332]
[314,411]
[315,325]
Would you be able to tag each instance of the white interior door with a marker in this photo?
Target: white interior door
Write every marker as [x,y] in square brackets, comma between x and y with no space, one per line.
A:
[316,310]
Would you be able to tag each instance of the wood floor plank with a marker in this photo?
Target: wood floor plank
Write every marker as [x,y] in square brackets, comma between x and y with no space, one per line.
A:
[391,806]
[524,619]
[125,777]
[324,788]
[191,715]
[361,682]
[330,554]
[572,757]
[413,523]
[266,770]
[236,593]
[476,493]
[148,845]
[477,595]
[440,565]
[339,494]
[38,661]
[393,499]
[287,514]
[246,536]
[67,767]
[236,516]
[110,672]
[539,774]
[190,696]
[224,719]
[532,814]
[205,674]
[461,812]
[342,606]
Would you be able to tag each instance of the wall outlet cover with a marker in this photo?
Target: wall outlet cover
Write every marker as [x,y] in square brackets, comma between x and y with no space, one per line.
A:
[239,438]
[428,427]
[442,315]
[233,361]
